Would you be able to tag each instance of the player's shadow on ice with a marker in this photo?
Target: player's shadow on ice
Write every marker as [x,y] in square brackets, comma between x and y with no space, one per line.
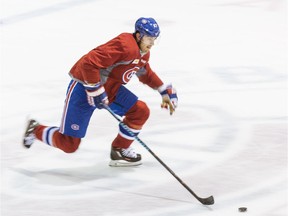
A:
[71,176]
[90,180]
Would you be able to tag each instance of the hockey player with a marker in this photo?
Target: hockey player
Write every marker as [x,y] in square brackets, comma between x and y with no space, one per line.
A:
[98,80]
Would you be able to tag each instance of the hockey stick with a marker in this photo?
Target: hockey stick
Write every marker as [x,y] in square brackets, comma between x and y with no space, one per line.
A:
[204,201]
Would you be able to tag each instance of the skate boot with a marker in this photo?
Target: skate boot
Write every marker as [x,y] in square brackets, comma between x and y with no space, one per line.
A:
[29,136]
[121,157]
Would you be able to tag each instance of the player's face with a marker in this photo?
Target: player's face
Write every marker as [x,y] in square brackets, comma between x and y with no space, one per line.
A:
[146,43]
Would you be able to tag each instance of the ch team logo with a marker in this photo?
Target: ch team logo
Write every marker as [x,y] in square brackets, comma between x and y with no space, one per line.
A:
[129,74]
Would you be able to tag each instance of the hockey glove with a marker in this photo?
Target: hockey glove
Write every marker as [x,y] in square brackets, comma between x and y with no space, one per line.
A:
[169,98]
[96,95]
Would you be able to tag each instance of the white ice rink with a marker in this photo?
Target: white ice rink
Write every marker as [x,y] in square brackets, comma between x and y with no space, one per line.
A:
[228,137]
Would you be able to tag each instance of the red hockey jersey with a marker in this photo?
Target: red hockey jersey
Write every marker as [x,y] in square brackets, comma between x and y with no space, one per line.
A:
[114,63]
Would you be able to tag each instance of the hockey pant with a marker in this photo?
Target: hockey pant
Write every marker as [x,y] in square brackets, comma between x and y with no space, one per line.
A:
[77,113]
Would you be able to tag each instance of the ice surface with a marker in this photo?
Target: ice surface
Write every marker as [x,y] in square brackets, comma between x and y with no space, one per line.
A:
[228,137]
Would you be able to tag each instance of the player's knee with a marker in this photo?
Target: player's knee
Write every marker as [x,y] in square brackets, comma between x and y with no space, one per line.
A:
[70,149]
[143,110]
[137,115]
[71,145]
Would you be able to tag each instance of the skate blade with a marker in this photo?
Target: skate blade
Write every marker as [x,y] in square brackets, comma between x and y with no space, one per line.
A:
[123,163]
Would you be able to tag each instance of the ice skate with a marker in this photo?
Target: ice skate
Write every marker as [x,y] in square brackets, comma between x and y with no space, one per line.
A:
[121,157]
[29,136]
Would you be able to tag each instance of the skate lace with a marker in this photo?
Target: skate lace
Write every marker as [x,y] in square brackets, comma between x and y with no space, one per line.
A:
[129,152]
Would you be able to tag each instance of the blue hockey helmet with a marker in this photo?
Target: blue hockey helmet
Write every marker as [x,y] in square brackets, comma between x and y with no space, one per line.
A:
[147,26]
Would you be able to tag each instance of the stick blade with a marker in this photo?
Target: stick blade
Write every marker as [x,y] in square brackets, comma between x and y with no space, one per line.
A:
[207,201]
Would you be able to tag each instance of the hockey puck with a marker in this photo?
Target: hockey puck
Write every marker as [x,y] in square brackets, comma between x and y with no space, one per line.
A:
[242,209]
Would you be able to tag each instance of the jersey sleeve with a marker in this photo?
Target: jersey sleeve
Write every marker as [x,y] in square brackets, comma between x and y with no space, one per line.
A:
[147,76]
